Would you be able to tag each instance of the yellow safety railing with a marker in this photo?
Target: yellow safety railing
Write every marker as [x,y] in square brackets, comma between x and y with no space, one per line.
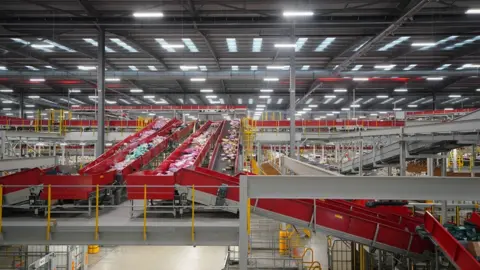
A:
[49,208]
[193,214]
[97,195]
[145,213]
[315,265]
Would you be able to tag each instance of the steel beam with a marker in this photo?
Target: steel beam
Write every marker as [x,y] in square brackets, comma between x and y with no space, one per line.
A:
[388,31]
[365,187]
[22,163]
[302,168]
[292,104]
[229,75]
[101,93]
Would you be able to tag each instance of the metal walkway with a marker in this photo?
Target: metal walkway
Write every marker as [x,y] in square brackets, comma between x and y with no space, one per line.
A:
[427,139]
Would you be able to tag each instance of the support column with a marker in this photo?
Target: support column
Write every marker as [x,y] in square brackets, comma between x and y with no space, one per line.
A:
[64,161]
[323,154]
[21,104]
[444,212]
[101,93]
[298,150]
[336,152]
[314,151]
[3,136]
[403,160]
[360,155]
[474,157]
[54,149]
[243,240]
[444,164]
[430,167]
[292,104]
[83,151]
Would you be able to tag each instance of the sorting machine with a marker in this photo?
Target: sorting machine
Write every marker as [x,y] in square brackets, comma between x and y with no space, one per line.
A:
[75,192]
[167,199]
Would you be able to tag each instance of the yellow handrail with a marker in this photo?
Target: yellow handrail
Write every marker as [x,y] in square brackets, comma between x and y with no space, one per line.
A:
[193,214]
[315,265]
[49,207]
[305,253]
[96,211]
[145,213]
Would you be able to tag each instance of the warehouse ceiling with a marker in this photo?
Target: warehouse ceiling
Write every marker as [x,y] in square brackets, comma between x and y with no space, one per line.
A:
[349,52]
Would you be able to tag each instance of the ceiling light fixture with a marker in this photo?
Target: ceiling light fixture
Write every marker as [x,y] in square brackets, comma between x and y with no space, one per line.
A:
[297,13]
[148,14]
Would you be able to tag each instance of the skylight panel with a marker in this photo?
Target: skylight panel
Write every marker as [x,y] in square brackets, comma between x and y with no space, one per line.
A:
[164,44]
[357,67]
[124,45]
[368,100]
[94,43]
[338,101]
[444,66]
[60,46]
[386,101]
[393,43]
[445,40]
[305,67]
[398,101]
[232,44]
[190,45]
[253,68]
[234,68]
[324,44]
[410,67]
[463,43]
[32,68]
[134,68]
[279,101]
[257,44]
[299,44]
[152,68]
[19,40]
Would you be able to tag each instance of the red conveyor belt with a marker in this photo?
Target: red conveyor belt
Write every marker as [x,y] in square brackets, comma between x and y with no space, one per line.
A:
[107,176]
[127,141]
[344,219]
[136,181]
[456,252]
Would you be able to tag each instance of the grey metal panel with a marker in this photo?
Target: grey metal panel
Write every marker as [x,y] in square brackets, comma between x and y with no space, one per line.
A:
[302,168]
[20,163]
[26,134]
[365,187]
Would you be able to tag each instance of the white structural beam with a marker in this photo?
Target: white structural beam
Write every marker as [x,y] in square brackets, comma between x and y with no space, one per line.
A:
[365,187]
[302,168]
[22,163]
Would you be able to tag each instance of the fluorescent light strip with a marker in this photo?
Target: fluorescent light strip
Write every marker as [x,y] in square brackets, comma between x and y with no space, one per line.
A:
[152,68]
[94,43]
[309,101]
[340,90]
[77,101]
[232,44]
[285,45]
[136,91]
[278,67]
[180,100]
[190,45]
[124,45]
[305,67]
[3,68]
[203,68]
[393,43]
[358,100]
[134,68]
[279,101]
[239,101]
[257,44]
[297,13]
[418,100]
[427,101]
[235,68]
[22,41]
[253,68]
[299,44]
[270,79]
[148,14]
[112,79]
[324,44]
[197,79]
[368,101]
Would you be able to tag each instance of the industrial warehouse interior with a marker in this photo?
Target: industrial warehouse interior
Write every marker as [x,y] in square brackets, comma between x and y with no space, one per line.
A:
[239,134]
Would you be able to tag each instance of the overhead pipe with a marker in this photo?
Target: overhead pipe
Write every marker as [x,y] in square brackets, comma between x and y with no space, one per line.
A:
[235,75]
